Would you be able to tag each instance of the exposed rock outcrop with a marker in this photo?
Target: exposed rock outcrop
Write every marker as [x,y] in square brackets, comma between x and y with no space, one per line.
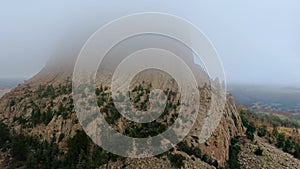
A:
[216,148]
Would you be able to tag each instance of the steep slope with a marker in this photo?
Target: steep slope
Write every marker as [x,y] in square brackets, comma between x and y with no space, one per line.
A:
[271,158]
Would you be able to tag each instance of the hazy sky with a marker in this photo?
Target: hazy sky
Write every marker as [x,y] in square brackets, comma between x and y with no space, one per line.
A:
[258,41]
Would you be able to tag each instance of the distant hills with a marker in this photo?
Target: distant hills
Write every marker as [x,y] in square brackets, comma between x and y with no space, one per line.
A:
[282,99]
[3,91]
[8,83]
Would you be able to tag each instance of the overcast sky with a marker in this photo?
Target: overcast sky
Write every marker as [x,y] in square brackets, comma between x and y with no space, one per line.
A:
[258,41]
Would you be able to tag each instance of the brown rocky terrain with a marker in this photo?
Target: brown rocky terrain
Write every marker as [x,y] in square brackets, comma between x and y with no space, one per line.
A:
[162,162]
[19,105]
[271,158]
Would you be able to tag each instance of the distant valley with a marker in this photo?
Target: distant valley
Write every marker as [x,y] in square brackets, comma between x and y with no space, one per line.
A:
[268,98]
[3,91]
[6,84]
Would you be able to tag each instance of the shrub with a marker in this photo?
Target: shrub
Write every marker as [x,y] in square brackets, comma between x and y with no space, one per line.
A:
[215,164]
[98,91]
[204,158]
[262,131]
[176,160]
[145,130]
[12,103]
[65,115]
[61,137]
[100,102]
[258,151]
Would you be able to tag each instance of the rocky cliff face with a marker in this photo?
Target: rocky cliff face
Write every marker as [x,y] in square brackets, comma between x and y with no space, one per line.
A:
[217,147]
[57,118]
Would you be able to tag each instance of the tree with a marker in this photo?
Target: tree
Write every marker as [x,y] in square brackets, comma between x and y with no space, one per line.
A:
[183,146]
[262,131]
[280,140]
[47,117]
[50,91]
[275,132]
[234,150]
[289,144]
[32,161]
[36,116]
[5,135]
[40,91]
[19,149]
[77,145]
[250,131]
[297,152]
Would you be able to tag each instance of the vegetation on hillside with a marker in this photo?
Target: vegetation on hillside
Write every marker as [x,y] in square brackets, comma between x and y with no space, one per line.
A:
[140,99]
[234,151]
[196,152]
[32,153]
[41,105]
[267,127]
[50,101]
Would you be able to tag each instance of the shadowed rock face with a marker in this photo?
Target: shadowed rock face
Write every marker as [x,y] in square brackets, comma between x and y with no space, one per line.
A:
[59,69]
[230,126]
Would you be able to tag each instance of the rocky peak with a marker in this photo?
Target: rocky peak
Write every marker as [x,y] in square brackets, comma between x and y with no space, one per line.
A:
[19,106]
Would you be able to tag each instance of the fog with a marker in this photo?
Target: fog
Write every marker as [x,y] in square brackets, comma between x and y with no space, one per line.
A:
[257,41]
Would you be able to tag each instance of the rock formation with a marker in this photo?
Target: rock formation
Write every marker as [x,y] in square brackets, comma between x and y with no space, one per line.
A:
[17,105]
